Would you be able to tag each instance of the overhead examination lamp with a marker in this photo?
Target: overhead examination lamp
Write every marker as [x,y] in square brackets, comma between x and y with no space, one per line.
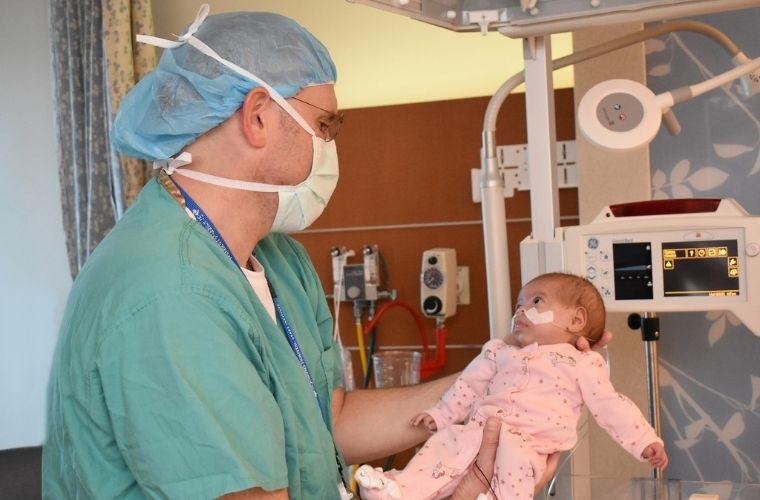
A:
[623,115]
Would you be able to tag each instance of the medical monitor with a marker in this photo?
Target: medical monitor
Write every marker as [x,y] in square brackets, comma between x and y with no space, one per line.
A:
[660,262]
[701,268]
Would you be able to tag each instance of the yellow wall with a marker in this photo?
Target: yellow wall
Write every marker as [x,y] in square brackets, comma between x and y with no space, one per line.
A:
[384,58]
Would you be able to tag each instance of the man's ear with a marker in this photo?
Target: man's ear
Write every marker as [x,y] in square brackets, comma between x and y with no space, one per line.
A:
[579,319]
[254,105]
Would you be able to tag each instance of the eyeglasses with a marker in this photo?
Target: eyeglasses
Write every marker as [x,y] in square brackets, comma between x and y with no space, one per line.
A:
[329,126]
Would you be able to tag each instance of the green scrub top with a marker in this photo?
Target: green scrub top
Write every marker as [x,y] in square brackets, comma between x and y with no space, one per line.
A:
[170,379]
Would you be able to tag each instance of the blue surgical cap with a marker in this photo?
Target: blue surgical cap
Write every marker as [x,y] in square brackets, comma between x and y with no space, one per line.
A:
[189,93]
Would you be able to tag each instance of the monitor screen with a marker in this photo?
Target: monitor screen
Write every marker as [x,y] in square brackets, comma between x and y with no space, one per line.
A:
[700,268]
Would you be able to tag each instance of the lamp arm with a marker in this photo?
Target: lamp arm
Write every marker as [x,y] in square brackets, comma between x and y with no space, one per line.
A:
[682,94]
[497,100]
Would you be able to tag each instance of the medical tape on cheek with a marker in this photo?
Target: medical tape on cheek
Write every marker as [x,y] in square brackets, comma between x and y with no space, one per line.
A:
[538,318]
[545,318]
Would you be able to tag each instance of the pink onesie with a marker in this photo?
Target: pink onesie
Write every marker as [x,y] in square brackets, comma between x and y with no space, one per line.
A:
[538,392]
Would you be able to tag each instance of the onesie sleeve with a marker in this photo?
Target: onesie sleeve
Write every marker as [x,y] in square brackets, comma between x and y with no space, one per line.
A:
[613,411]
[472,383]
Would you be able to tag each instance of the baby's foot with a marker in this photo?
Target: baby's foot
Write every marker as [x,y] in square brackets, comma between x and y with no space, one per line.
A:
[374,479]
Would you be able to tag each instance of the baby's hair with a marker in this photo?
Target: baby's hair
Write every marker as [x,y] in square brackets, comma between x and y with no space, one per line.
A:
[575,291]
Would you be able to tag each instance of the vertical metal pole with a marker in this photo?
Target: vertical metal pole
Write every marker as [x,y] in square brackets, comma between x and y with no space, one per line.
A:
[537,253]
[650,330]
[539,103]
[544,190]
[495,240]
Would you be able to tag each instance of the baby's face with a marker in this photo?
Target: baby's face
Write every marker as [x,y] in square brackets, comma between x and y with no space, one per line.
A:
[550,321]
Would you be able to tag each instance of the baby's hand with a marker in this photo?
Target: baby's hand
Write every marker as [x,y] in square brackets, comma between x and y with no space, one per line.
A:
[426,420]
[655,455]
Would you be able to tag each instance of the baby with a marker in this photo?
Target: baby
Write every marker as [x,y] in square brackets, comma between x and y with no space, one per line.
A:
[536,382]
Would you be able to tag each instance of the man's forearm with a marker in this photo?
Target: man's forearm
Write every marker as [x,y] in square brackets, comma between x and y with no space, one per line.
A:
[257,494]
[371,424]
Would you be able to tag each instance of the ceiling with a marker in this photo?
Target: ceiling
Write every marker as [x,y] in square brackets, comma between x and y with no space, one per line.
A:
[384,58]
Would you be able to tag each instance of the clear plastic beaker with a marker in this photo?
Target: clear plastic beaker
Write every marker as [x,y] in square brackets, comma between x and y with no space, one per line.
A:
[396,368]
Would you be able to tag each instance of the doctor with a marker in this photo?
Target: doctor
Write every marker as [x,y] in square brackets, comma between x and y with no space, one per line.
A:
[196,358]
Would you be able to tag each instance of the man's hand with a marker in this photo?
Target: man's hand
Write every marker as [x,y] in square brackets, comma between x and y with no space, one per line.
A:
[583,345]
[478,480]
[552,462]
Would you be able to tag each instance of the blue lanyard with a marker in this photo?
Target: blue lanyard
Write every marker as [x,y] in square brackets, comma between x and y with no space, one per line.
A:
[205,221]
[209,226]
[295,347]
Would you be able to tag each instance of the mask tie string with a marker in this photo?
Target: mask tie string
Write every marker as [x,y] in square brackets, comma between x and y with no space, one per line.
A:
[189,38]
[181,39]
[170,165]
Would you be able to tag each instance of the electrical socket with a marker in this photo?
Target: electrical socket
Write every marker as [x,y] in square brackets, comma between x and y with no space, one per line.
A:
[463,285]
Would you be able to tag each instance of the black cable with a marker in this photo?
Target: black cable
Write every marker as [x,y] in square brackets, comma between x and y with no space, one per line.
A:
[484,479]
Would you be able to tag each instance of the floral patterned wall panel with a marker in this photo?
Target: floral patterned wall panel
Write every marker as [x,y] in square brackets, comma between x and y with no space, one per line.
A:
[709,362]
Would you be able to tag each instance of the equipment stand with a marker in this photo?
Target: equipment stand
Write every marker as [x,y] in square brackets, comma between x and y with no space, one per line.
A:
[650,334]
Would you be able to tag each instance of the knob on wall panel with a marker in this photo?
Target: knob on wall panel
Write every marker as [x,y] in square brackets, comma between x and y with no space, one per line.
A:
[438,283]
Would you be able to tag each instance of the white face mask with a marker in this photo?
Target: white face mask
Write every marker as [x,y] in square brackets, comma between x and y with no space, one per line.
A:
[300,205]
